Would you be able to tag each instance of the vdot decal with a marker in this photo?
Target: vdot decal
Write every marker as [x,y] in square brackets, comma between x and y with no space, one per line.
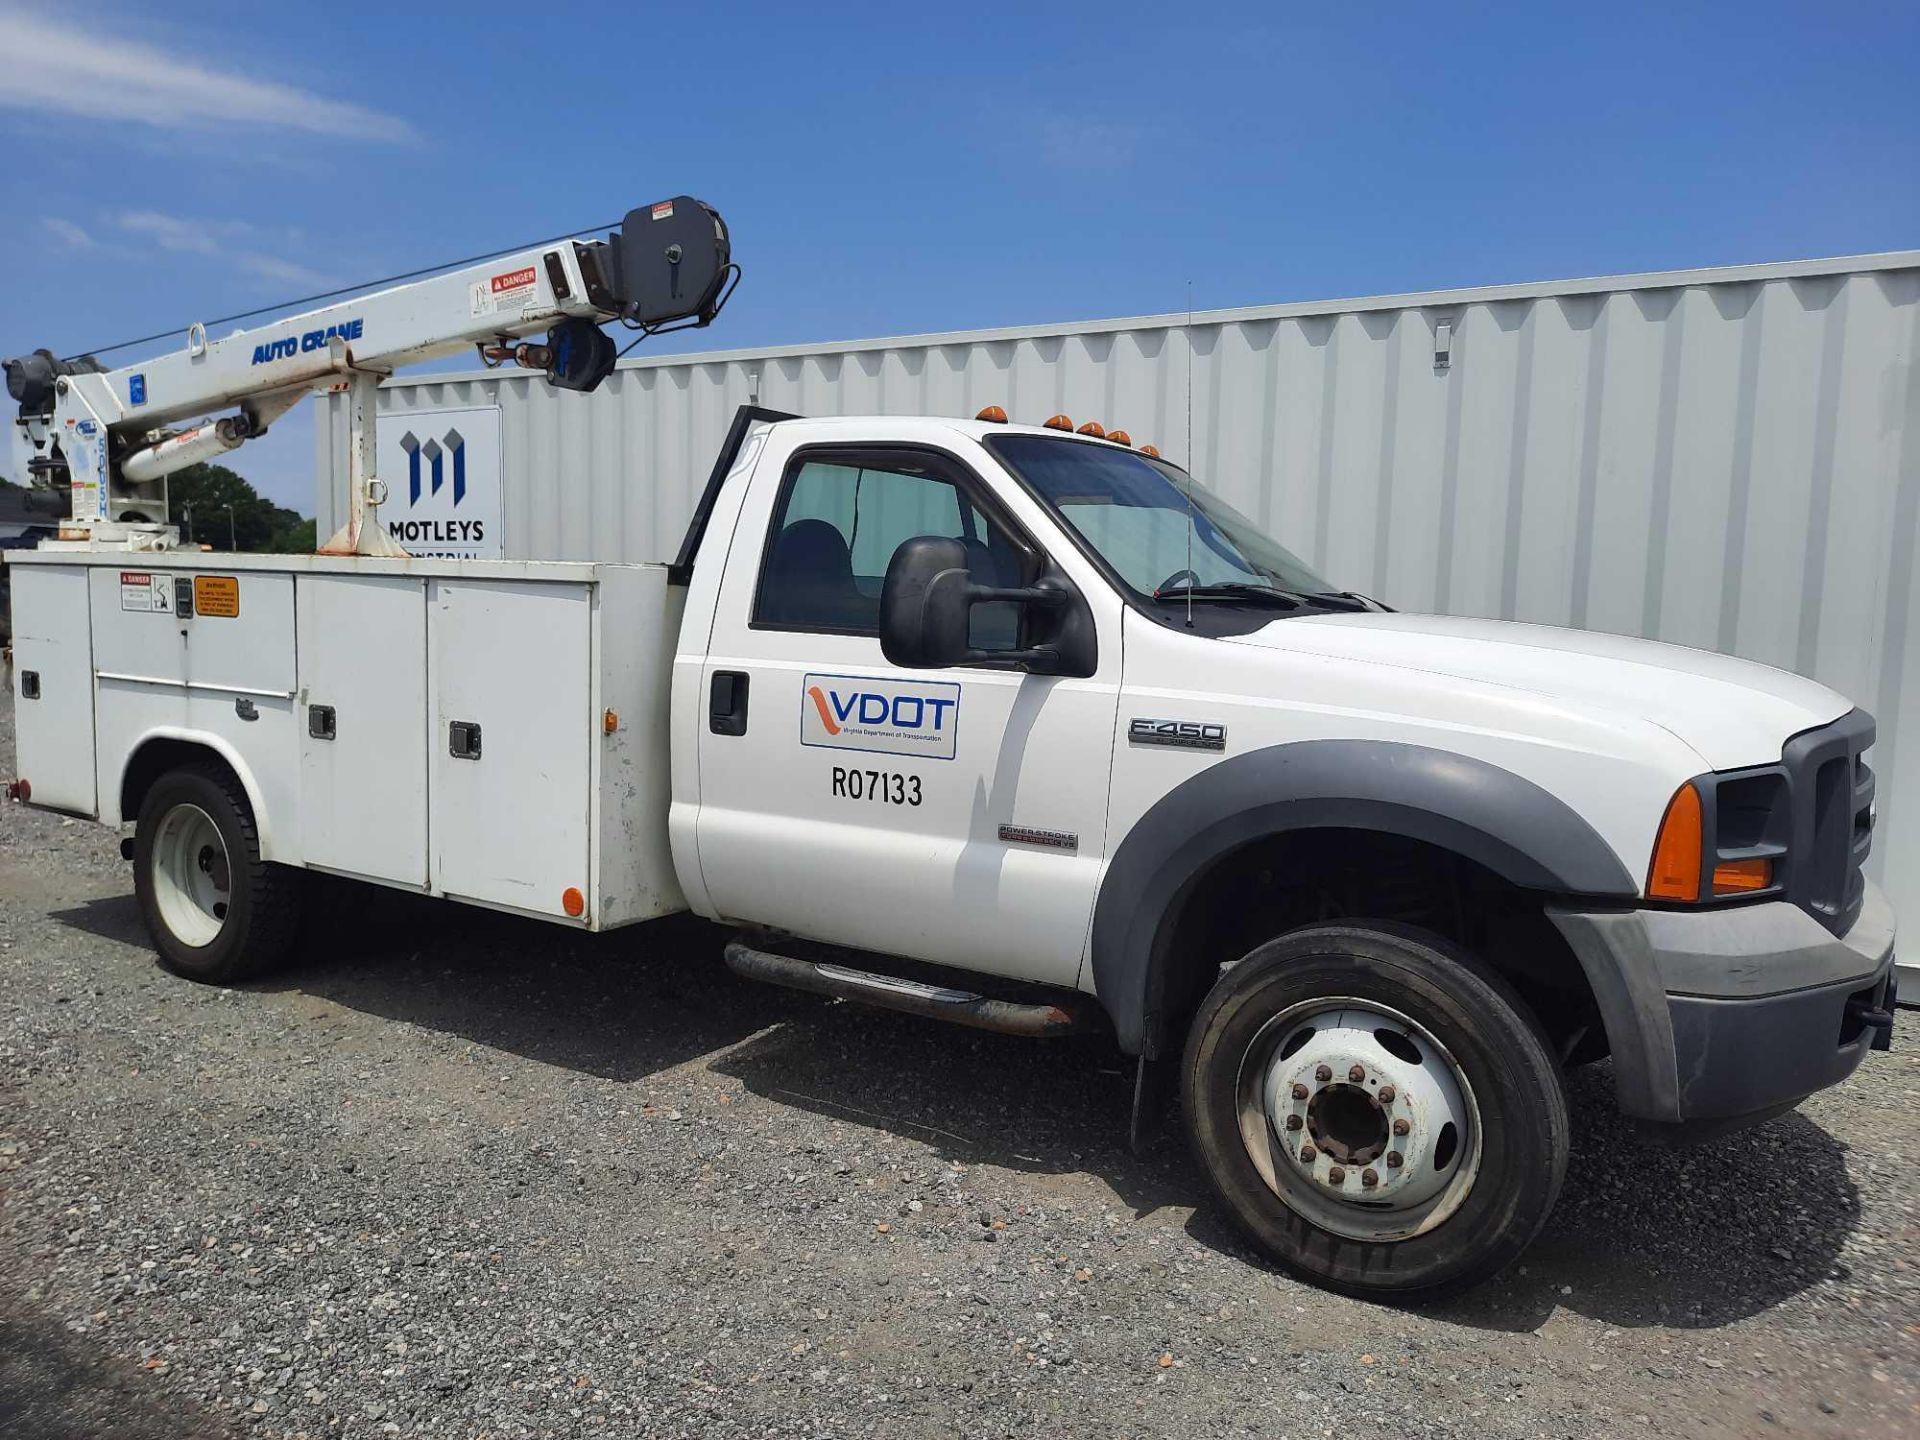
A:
[892,717]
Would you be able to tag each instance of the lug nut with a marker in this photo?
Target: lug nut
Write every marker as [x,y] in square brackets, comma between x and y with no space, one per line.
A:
[1336,1176]
[1293,1122]
[1323,1074]
[1357,1073]
[1402,1127]
[1387,1092]
[1299,1091]
[1369,1177]
[1308,1154]
[1395,1159]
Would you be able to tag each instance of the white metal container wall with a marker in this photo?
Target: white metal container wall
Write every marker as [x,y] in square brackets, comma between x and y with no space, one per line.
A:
[1723,458]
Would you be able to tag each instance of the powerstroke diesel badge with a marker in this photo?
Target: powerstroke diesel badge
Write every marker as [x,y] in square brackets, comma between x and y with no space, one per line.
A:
[892,717]
[1178,734]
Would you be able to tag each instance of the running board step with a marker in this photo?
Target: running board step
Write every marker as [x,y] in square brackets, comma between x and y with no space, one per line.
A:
[892,992]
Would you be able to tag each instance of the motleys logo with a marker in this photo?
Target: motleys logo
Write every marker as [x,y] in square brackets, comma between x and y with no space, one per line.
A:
[892,717]
[512,280]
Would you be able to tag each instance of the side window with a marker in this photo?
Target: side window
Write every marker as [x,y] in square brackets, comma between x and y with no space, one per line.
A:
[838,524]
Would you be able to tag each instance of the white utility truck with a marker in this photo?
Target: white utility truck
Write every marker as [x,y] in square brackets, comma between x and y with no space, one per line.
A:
[1017,726]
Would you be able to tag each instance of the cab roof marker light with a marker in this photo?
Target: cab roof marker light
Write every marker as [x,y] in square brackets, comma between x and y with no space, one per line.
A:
[1059,422]
[1120,437]
[1152,452]
[1095,429]
[993,415]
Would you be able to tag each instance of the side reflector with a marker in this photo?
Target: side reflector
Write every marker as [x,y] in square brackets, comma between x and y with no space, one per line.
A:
[1095,429]
[993,415]
[1738,877]
[573,902]
[609,721]
[1059,422]
[1120,437]
[1675,871]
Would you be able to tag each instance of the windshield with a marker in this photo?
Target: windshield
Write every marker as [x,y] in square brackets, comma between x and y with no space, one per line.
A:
[1135,512]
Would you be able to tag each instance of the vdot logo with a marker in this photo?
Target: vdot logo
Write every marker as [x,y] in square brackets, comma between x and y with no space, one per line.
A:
[891,717]
[429,464]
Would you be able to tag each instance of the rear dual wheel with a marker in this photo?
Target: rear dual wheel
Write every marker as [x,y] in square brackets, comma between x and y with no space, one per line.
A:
[217,912]
[1377,1109]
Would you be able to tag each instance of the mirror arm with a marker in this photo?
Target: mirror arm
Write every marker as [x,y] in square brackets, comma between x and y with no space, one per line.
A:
[1040,657]
[1047,595]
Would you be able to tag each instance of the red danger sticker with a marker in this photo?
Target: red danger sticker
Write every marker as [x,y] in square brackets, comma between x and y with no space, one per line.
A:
[512,280]
[135,577]
[663,211]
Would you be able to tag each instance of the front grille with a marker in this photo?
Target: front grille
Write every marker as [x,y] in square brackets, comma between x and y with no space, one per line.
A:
[1832,807]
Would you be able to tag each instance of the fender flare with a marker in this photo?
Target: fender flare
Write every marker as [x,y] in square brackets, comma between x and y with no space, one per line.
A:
[263,824]
[1513,827]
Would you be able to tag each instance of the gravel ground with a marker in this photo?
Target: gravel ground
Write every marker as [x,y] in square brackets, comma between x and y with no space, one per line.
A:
[455,1175]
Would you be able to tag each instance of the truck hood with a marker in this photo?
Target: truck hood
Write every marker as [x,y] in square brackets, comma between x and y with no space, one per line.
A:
[1732,712]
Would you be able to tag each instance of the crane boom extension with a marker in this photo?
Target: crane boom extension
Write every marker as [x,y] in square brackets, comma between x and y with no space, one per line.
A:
[105,437]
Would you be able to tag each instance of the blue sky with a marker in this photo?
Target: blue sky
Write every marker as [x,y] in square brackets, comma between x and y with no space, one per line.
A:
[895,169]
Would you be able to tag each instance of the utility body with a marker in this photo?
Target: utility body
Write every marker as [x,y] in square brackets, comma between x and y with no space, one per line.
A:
[1026,728]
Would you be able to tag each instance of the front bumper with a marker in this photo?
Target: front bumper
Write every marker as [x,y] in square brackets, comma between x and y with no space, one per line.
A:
[1718,1017]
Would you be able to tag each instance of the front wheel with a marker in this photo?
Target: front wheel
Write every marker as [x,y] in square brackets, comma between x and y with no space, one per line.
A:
[1377,1109]
[217,912]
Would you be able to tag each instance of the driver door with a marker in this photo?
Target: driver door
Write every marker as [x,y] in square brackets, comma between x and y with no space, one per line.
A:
[956,816]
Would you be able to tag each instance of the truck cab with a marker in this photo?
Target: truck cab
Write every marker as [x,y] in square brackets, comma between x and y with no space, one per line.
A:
[1025,727]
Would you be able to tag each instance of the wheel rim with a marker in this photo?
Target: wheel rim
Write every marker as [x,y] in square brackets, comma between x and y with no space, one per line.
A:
[1359,1119]
[192,876]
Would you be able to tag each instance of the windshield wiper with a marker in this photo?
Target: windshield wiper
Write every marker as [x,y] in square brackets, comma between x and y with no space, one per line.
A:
[1234,590]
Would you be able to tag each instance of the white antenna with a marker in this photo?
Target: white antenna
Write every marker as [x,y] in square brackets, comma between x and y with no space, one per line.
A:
[1192,578]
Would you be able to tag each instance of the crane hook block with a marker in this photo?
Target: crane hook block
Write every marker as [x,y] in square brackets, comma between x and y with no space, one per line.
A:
[670,262]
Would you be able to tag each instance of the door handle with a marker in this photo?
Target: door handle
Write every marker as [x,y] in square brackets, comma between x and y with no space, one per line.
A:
[727,702]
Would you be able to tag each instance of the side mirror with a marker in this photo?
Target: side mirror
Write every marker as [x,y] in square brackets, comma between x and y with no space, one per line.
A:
[928,599]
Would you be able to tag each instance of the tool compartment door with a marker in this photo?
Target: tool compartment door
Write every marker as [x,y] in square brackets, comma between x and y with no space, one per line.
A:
[362,717]
[53,685]
[510,668]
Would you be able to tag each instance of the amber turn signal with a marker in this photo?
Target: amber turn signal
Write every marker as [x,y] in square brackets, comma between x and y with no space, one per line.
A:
[993,415]
[1675,871]
[1740,877]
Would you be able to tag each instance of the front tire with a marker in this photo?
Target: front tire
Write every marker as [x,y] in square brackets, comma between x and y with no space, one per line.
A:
[1377,1109]
[217,912]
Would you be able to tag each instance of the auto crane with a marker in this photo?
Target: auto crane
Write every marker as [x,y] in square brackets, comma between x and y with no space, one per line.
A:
[108,438]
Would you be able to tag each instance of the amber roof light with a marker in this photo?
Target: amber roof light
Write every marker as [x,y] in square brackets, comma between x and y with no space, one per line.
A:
[1059,422]
[993,415]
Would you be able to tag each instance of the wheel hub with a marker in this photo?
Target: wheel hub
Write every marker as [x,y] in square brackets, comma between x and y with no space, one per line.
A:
[1347,1122]
[1359,1119]
[192,878]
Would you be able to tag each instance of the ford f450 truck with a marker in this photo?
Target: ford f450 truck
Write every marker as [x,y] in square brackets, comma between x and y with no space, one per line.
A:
[1027,729]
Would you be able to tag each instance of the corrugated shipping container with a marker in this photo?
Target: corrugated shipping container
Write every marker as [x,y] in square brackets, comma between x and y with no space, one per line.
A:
[1724,458]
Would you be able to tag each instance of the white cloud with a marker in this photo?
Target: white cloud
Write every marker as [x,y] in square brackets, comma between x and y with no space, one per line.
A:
[234,241]
[171,232]
[71,234]
[1081,145]
[272,267]
[48,65]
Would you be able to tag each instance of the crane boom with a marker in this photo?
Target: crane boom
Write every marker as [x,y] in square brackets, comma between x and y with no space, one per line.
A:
[107,437]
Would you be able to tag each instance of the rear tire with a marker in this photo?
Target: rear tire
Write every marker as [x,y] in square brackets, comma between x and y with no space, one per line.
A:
[1284,1080]
[217,912]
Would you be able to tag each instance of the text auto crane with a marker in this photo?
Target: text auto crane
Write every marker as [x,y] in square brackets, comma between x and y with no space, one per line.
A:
[109,438]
